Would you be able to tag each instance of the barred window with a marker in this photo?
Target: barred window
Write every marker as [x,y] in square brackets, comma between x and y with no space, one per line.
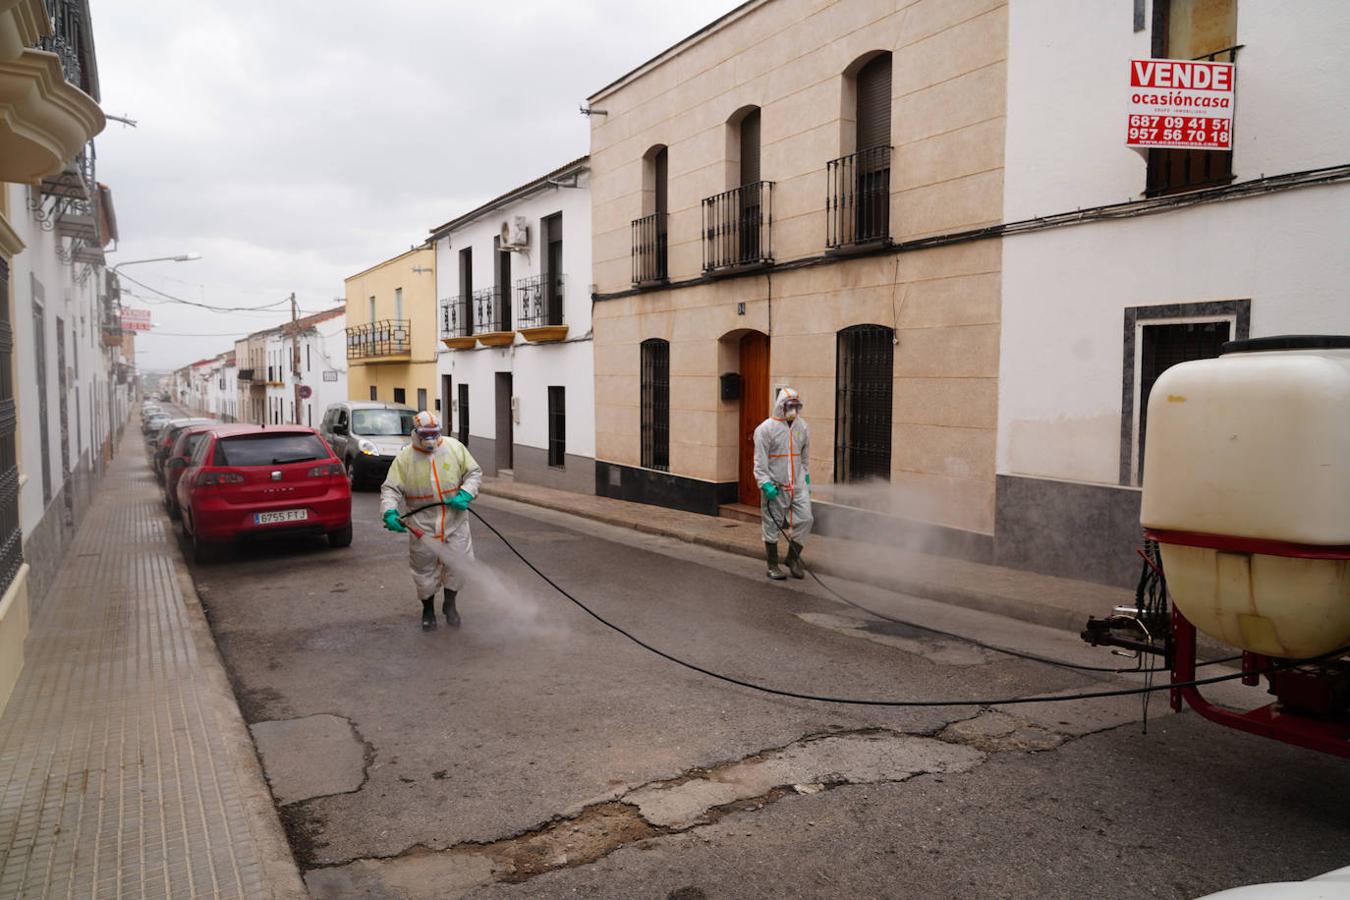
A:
[464,414]
[863,370]
[656,404]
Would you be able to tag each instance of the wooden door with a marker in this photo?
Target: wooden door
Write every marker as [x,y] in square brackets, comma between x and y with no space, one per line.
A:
[755,408]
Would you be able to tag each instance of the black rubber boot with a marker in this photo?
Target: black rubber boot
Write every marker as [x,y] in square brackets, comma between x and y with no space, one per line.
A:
[771,551]
[448,608]
[794,560]
[429,614]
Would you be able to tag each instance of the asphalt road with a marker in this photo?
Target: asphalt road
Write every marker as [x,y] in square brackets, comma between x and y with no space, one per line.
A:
[536,753]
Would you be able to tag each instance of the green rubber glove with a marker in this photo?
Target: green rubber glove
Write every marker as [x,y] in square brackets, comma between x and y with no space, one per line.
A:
[808,477]
[460,500]
[392,521]
[770,490]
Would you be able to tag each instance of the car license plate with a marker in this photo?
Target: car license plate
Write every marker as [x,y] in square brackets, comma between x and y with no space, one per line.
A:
[281,515]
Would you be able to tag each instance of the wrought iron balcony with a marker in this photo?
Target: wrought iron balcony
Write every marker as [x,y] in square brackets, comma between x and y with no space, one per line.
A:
[541,300]
[541,308]
[649,249]
[244,375]
[63,45]
[381,338]
[457,317]
[492,317]
[738,227]
[858,199]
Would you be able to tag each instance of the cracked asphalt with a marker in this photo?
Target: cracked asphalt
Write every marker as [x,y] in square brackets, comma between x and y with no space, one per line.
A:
[535,753]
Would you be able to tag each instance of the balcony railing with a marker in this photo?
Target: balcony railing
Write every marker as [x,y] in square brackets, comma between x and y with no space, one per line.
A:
[65,50]
[541,300]
[1171,171]
[649,249]
[491,311]
[738,227]
[858,202]
[457,317]
[385,337]
[244,375]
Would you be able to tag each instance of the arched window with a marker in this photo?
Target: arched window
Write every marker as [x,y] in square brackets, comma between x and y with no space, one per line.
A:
[864,365]
[649,232]
[656,404]
[860,182]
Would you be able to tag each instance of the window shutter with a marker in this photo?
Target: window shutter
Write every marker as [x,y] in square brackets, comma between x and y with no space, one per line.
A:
[750,148]
[874,103]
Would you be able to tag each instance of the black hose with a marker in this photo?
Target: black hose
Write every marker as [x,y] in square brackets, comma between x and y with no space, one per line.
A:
[853,701]
[1020,654]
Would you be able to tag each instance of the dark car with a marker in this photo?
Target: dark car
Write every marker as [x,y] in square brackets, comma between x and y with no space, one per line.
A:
[183,447]
[245,482]
[366,436]
[164,442]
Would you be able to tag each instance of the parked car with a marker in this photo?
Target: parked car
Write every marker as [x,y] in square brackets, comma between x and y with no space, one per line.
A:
[154,423]
[246,482]
[164,442]
[366,436]
[177,460]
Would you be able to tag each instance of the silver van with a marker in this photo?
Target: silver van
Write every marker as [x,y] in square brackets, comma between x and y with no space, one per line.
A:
[366,436]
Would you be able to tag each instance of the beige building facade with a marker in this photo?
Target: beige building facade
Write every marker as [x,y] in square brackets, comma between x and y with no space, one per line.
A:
[786,198]
[392,331]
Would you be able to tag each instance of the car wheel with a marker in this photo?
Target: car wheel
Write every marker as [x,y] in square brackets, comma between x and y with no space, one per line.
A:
[172,508]
[342,537]
[352,481]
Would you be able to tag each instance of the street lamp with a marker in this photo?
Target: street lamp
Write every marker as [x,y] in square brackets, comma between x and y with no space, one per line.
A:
[182,257]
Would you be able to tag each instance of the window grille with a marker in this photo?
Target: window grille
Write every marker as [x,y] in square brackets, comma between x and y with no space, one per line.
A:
[656,404]
[11,535]
[464,414]
[863,386]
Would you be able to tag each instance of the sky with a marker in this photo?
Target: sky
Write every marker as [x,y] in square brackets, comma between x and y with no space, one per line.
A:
[293,143]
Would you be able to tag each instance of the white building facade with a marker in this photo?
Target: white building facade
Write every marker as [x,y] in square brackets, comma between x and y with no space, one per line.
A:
[1251,243]
[517,371]
[309,353]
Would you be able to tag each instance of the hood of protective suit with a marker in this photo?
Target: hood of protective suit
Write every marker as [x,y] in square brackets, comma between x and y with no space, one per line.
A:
[780,402]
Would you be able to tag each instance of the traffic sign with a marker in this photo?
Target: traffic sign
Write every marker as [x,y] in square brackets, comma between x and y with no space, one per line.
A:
[306,392]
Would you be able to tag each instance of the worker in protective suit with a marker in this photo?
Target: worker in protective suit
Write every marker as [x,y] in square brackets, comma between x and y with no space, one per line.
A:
[433,469]
[781,471]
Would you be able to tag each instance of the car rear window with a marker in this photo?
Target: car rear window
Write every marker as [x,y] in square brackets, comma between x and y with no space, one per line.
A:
[382,422]
[268,449]
[191,442]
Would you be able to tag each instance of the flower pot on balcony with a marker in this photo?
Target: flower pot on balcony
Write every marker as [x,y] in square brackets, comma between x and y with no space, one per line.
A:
[544,333]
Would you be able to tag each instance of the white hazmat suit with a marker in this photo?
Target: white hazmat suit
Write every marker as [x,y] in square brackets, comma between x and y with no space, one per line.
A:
[781,458]
[418,477]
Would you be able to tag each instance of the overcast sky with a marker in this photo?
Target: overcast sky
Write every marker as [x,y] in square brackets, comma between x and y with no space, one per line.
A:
[295,142]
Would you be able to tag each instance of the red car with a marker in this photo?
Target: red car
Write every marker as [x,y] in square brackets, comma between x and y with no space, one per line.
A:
[184,446]
[246,482]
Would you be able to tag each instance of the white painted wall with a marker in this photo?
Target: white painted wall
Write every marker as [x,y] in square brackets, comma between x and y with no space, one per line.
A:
[323,348]
[1065,290]
[534,367]
[89,367]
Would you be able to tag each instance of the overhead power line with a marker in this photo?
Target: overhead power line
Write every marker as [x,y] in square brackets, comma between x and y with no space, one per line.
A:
[206,306]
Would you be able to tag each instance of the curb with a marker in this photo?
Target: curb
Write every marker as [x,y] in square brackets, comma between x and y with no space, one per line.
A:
[274,850]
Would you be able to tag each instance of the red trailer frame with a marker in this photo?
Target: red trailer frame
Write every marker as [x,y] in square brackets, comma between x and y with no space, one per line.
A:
[1268,721]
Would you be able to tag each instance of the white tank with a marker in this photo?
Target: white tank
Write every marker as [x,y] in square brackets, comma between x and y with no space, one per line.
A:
[1247,490]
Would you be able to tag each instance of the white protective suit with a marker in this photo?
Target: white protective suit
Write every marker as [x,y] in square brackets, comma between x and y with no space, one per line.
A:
[417,478]
[780,456]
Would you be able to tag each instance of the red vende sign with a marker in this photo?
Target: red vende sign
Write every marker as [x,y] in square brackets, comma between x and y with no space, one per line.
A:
[1180,103]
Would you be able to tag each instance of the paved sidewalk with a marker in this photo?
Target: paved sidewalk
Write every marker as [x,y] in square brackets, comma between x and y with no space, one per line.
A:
[125,767]
[1040,599]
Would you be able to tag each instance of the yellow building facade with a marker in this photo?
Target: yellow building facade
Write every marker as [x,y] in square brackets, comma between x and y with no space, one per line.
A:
[392,336]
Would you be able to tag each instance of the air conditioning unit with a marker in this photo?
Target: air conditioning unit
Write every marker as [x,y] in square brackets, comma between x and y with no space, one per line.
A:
[515,233]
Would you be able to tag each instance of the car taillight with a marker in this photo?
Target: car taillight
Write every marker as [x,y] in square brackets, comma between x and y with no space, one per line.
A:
[220,478]
[325,471]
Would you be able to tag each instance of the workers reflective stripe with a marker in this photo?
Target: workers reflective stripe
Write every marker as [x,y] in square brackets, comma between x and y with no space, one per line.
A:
[440,495]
